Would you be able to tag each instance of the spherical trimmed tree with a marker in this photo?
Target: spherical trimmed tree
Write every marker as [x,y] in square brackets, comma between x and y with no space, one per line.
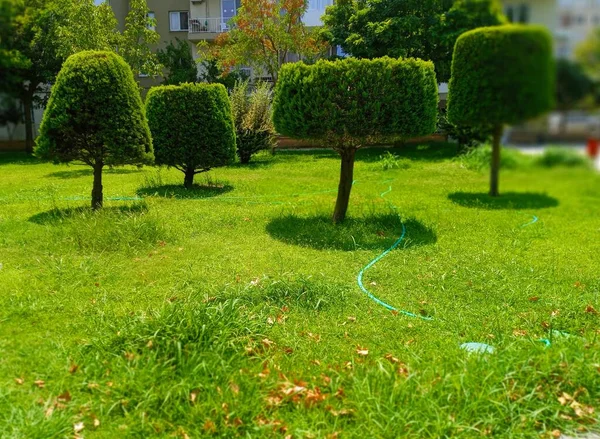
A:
[192,127]
[501,75]
[352,103]
[95,115]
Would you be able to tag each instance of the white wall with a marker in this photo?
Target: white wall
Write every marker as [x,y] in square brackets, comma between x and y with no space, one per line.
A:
[316,9]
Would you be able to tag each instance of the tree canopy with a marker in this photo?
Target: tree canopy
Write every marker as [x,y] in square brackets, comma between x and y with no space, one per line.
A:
[425,29]
[263,34]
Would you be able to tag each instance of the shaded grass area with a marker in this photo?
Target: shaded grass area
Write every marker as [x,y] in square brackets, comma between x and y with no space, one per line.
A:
[236,313]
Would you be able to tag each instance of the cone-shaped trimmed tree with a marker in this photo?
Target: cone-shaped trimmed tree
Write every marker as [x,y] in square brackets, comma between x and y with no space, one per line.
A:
[352,103]
[501,75]
[192,127]
[95,115]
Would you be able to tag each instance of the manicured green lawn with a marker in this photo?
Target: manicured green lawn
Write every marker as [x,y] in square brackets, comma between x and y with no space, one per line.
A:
[234,311]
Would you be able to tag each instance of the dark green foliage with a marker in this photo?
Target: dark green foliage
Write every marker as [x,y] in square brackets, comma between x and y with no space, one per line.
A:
[425,29]
[95,115]
[501,75]
[466,136]
[572,84]
[253,119]
[11,115]
[463,16]
[355,102]
[192,127]
[212,74]
[178,60]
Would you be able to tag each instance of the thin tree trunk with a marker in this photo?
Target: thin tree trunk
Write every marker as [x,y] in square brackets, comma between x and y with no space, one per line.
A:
[188,181]
[27,108]
[495,168]
[97,193]
[345,186]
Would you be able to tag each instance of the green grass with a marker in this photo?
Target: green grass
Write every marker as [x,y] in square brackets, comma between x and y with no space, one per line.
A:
[232,310]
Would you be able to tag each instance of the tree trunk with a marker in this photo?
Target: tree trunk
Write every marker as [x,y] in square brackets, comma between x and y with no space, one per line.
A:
[188,181]
[97,194]
[495,168]
[345,186]
[28,108]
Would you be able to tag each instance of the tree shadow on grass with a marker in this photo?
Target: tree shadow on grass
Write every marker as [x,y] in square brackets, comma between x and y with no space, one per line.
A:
[181,192]
[508,200]
[77,173]
[55,216]
[375,232]
[18,158]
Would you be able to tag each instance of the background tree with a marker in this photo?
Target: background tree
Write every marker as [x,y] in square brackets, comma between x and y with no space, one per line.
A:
[587,54]
[29,52]
[11,115]
[95,115]
[135,44]
[94,27]
[425,29]
[487,91]
[353,103]
[180,64]
[264,33]
[572,86]
[252,117]
[211,72]
[192,127]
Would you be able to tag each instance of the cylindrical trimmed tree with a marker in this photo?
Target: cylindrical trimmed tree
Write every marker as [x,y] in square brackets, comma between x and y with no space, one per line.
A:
[501,75]
[95,115]
[352,103]
[192,127]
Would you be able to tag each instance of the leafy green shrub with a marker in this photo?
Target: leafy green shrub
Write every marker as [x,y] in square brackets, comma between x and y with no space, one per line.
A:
[479,159]
[557,156]
[192,127]
[252,118]
[501,75]
[392,161]
[352,103]
[95,114]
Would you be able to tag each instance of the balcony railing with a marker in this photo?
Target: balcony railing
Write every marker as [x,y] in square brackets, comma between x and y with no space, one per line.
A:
[208,25]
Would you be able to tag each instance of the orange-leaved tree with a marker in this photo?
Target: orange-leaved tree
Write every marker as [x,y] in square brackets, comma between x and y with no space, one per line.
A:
[263,34]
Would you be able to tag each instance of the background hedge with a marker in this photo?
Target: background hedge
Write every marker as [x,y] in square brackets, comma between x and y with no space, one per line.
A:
[359,99]
[192,127]
[501,75]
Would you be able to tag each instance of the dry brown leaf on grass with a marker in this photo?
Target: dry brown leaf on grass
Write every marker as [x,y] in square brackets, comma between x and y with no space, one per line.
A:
[40,383]
[19,381]
[590,310]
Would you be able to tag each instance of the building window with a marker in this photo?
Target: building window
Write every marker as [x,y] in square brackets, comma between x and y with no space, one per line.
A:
[524,14]
[509,11]
[151,20]
[179,21]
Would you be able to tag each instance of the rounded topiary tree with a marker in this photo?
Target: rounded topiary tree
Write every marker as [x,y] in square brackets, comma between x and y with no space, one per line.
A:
[192,127]
[352,103]
[95,115]
[501,75]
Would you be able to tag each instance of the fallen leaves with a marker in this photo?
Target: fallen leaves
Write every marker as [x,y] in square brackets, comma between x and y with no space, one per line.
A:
[78,427]
[363,352]
[19,381]
[40,383]
[591,310]
[534,299]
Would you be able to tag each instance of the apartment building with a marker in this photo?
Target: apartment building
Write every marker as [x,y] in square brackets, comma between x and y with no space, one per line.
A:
[576,20]
[199,20]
